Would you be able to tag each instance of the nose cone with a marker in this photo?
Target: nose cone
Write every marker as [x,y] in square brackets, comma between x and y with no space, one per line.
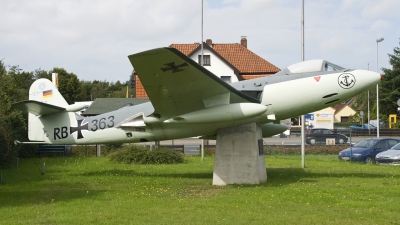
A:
[353,82]
[366,77]
[358,80]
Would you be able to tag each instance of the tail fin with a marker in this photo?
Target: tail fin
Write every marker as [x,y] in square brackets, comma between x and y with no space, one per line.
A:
[43,90]
[44,102]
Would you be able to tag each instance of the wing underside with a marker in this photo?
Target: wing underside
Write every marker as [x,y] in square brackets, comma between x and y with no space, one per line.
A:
[177,85]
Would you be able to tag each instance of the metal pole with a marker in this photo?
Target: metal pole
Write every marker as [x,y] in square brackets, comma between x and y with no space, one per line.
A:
[377,94]
[377,89]
[202,63]
[202,149]
[43,168]
[369,130]
[202,53]
[351,148]
[377,110]
[303,164]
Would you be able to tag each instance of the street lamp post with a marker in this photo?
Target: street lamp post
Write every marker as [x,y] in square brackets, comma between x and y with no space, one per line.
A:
[377,89]
[303,119]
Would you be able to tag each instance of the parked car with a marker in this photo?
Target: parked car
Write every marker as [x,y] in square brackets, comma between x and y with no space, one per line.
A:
[362,127]
[321,134]
[389,157]
[366,150]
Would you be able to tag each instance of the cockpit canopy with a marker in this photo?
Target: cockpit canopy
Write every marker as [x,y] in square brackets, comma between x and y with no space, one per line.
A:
[315,65]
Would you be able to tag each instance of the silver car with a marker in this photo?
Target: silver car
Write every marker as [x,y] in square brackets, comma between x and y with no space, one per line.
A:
[389,157]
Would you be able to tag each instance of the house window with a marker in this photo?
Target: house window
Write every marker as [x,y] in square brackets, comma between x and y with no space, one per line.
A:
[207,61]
[227,79]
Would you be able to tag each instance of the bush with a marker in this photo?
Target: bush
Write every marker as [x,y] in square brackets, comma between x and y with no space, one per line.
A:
[142,155]
[28,151]
[108,149]
[309,149]
[209,151]
[83,150]
[293,150]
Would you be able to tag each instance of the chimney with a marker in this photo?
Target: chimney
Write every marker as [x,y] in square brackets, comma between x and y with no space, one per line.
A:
[209,42]
[243,41]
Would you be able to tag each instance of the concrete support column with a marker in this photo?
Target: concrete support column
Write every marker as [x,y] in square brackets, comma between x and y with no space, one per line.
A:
[239,156]
[98,150]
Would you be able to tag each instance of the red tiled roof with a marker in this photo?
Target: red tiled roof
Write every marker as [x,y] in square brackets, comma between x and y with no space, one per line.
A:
[244,60]
[185,48]
[339,107]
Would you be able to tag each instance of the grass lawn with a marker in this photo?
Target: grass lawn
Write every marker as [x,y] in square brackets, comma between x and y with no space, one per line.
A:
[95,191]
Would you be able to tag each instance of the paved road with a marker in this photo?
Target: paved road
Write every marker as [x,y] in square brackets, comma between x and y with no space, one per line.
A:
[192,145]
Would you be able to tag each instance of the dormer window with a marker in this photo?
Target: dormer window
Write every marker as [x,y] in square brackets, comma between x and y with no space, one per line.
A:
[207,61]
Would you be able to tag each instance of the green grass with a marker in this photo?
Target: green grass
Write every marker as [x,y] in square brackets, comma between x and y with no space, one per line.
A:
[97,191]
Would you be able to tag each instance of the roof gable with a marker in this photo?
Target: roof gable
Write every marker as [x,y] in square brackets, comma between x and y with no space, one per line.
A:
[239,57]
[338,108]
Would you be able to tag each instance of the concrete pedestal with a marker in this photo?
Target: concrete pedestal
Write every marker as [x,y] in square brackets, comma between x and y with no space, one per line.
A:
[239,156]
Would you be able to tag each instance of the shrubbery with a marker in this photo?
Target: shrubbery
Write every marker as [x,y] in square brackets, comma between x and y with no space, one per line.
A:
[142,155]
[314,149]
[295,150]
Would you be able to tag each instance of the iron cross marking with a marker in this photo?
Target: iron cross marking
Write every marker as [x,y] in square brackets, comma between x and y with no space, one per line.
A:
[79,128]
[174,68]
[346,80]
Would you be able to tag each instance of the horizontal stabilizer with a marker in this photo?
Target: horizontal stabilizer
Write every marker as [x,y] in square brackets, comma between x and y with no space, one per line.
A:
[37,108]
[136,120]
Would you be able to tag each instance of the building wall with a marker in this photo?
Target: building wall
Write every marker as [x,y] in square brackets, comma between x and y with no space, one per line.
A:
[140,92]
[345,112]
[218,67]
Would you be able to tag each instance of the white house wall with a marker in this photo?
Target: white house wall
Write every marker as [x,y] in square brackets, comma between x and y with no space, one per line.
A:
[218,67]
[345,112]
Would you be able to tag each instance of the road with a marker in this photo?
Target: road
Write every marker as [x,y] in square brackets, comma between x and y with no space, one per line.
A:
[192,145]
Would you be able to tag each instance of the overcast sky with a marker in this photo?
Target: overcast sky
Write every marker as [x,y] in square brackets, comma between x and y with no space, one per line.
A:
[93,38]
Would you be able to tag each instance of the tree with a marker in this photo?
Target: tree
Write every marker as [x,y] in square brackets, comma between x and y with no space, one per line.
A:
[389,91]
[68,85]
[12,122]
[132,81]
[39,73]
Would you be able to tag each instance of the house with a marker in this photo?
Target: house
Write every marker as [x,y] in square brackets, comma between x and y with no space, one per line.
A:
[230,62]
[342,112]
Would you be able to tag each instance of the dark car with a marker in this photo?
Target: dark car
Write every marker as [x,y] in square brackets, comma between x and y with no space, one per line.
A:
[366,150]
[321,134]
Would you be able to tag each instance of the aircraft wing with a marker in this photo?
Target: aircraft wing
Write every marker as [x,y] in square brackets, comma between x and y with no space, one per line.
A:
[37,108]
[177,85]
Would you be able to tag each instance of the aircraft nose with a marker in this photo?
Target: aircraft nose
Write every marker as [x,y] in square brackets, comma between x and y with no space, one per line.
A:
[368,77]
